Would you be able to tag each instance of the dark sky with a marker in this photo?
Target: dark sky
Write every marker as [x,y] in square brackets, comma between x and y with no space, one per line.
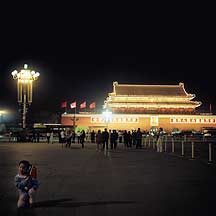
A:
[79,57]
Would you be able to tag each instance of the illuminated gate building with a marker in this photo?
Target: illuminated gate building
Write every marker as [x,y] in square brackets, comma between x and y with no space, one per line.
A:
[130,107]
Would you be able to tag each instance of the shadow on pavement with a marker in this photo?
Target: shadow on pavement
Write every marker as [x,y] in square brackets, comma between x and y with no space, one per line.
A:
[26,212]
[65,203]
[48,203]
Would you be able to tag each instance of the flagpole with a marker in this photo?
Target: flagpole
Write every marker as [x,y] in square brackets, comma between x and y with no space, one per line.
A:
[74,121]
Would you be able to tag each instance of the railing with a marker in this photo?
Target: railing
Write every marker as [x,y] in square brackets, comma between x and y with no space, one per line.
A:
[188,147]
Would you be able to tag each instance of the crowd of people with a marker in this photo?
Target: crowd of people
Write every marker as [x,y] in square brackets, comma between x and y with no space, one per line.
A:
[104,139]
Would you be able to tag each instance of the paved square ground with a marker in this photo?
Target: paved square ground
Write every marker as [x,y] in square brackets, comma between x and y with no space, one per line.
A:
[125,182]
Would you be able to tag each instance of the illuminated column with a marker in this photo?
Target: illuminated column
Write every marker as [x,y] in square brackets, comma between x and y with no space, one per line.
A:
[108,117]
[25,80]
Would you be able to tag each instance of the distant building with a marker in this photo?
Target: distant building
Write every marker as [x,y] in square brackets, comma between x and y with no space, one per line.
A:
[154,99]
[146,106]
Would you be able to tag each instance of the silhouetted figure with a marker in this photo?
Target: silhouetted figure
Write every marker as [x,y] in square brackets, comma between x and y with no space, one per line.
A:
[82,138]
[134,137]
[93,137]
[129,139]
[138,139]
[48,137]
[113,139]
[73,136]
[105,137]
[99,139]
[33,136]
[38,137]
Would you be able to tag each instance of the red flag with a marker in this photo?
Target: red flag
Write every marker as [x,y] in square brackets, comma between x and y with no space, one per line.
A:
[64,104]
[83,105]
[92,105]
[73,105]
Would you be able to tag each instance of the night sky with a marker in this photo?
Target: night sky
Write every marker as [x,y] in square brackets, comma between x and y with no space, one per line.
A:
[79,58]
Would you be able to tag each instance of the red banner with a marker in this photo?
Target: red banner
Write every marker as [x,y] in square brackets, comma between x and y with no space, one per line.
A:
[83,105]
[64,104]
[73,105]
[92,105]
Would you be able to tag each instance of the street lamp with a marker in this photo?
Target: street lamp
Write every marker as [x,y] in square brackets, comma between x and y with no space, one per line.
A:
[25,80]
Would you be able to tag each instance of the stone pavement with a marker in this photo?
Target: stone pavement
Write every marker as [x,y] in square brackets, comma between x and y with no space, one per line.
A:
[125,182]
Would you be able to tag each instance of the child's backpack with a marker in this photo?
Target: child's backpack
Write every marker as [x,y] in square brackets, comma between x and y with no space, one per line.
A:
[33,171]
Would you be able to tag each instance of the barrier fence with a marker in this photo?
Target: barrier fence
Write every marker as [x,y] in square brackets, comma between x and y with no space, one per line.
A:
[188,147]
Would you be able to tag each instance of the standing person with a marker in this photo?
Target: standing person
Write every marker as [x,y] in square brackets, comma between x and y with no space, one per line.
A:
[125,138]
[26,185]
[73,136]
[134,137]
[62,134]
[33,136]
[99,140]
[82,138]
[59,136]
[113,139]
[38,137]
[105,137]
[68,139]
[48,136]
[138,139]
[93,137]
[159,140]
[51,137]
[129,139]
[78,136]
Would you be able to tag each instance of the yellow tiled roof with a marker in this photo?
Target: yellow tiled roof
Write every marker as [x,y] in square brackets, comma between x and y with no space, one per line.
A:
[162,90]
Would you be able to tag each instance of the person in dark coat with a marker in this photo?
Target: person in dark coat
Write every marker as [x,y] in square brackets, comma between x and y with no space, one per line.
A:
[138,139]
[82,138]
[113,139]
[105,137]
[99,139]
[93,137]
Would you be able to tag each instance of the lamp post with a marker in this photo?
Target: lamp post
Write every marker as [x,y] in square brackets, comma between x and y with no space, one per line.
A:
[25,80]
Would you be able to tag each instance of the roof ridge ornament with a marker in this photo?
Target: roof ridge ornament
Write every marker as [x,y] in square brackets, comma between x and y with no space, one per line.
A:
[115,83]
